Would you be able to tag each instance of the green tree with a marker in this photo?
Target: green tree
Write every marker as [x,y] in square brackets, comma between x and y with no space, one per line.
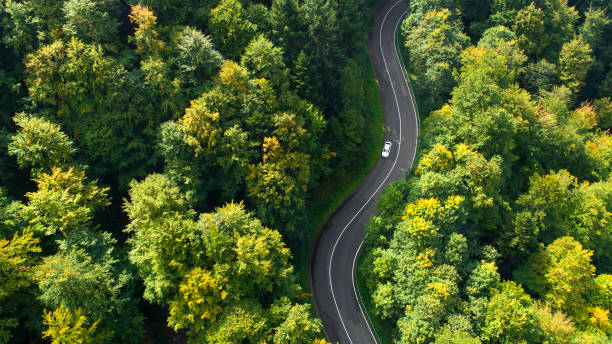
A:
[504,12]
[197,58]
[199,301]
[448,336]
[322,44]
[561,273]
[483,280]
[530,28]
[242,322]
[510,316]
[10,220]
[546,204]
[298,327]
[602,292]
[244,268]
[165,243]
[263,60]
[16,276]
[108,111]
[278,185]
[91,21]
[31,23]
[230,29]
[423,320]
[495,36]
[442,173]
[574,63]
[592,30]
[393,198]
[39,144]
[257,256]
[349,126]
[540,76]
[434,47]
[66,326]
[103,291]
[64,202]
[288,28]
[543,27]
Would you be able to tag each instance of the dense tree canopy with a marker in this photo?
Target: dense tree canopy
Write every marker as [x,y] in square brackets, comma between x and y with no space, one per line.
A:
[225,108]
[212,122]
[511,184]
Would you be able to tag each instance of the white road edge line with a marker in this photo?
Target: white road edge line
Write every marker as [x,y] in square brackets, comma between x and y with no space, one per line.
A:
[357,295]
[381,184]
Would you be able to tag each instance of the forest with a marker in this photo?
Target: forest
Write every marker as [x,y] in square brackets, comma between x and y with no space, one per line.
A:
[501,232]
[157,159]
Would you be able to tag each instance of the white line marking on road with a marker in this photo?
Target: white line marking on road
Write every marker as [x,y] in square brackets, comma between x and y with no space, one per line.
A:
[381,184]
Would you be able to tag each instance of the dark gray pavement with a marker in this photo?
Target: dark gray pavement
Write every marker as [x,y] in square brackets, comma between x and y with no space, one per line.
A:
[333,255]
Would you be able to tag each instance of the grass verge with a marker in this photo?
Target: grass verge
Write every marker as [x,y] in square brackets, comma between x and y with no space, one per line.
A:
[333,190]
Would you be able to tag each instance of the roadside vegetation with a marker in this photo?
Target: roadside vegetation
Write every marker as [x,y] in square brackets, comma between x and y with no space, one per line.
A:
[501,231]
[170,158]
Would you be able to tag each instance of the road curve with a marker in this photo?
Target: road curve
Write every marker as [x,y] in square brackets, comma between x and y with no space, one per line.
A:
[334,254]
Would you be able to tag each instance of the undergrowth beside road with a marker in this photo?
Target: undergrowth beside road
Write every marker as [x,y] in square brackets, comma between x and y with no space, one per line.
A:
[382,328]
[333,190]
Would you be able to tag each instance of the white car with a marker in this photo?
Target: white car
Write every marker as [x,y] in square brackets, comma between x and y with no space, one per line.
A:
[386,149]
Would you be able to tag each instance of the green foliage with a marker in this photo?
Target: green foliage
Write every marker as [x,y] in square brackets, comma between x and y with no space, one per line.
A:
[242,322]
[230,29]
[117,78]
[592,29]
[39,144]
[322,44]
[91,22]
[495,36]
[10,219]
[540,76]
[574,63]
[31,23]
[555,205]
[349,126]
[93,97]
[165,243]
[263,60]
[241,267]
[531,170]
[197,58]
[287,27]
[562,274]
[434,47]
[67,326]
[16,276]
[531,29]
[101,295]
[448,336]
[510,316]
[298,327]
[483,280]
[442,173]
[64,202]
[543,27]
[275,177]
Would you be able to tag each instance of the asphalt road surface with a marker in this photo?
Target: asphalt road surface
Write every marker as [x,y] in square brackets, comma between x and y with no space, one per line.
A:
[333,257]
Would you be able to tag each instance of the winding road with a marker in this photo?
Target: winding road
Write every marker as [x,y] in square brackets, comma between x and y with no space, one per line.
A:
[334,254]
